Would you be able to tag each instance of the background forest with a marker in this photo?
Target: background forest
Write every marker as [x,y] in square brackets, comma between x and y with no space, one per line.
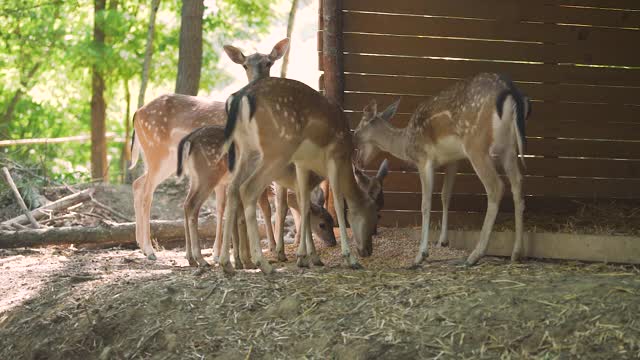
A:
[61,60]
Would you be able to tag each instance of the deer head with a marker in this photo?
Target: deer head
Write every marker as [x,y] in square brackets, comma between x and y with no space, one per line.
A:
[371,124]
[258,65]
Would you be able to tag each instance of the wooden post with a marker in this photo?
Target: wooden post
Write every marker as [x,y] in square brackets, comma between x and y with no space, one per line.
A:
[332,64]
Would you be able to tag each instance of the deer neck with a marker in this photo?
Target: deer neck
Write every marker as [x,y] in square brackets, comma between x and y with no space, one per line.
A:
[392,140]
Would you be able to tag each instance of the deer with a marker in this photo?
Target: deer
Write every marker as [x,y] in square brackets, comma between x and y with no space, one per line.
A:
[371,185]
[163,122]
[313,135]
[202,158]
[481,119]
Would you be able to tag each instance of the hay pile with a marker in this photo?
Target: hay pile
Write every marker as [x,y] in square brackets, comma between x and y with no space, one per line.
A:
[117,305]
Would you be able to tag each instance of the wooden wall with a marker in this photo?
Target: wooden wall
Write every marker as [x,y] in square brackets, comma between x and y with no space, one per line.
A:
[579,60]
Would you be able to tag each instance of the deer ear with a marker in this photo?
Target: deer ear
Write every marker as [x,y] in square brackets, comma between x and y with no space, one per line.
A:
[234,54]
[383,170]
[360,176]
[279,49]
[388,113]
[371,108]
[319,196]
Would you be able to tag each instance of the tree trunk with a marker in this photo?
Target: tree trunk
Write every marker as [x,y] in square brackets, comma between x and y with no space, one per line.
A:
[155,4]
[190,54]
[99,168]
[24,84]
[332,64]
[125,151]
[290,23]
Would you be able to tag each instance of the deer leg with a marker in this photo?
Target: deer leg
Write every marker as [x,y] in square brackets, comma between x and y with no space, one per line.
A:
[281,213]
[338,202]
[197,196]
[484,167]
[296,221]
[240,174]
[447,189]
[313,255]
[510,164]
[221,200]
[302,181]
[250,190]
[426,171]
[265,207]
[143,189]
[241,248]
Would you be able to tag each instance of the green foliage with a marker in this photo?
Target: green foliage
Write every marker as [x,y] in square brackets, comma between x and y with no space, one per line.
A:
[47,54]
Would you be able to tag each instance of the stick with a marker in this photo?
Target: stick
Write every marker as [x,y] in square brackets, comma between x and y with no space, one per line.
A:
[16,193]
[60,204]
[111,210]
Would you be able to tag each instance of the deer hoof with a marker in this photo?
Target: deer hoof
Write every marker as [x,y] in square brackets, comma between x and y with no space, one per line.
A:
[282,257]
[266,268]
[249,265]
[152,256]
[302,262]
[228,268]
[315,260]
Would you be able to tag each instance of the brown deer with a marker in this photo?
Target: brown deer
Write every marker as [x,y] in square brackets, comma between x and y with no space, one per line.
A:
[202,158]
[372,185]
[481,119]
[162,123]
[274,122]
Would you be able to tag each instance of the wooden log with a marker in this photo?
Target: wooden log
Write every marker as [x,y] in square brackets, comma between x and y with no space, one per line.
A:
[119,234]
[16,193]
[332,64]
[60,204]
[124,233]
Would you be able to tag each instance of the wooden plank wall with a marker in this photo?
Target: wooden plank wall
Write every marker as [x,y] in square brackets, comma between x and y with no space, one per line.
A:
[579,60]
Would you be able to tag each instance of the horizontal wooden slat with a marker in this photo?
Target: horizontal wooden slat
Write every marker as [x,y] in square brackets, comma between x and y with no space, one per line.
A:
[483,29]
[539,186]
[478,203]
[467,220]
[544,92]
[538,125]
[616,169]
[391,65]
[559,148]
[489,50]
[506,10]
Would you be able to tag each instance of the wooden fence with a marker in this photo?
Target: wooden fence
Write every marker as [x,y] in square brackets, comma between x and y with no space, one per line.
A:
[579,60]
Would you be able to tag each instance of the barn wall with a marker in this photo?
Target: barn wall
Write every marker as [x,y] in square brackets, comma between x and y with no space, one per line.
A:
[579,60]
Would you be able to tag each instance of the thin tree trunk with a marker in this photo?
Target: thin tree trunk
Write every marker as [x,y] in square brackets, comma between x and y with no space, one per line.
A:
[290,23]
[8,114]
[125,153]
[190,54]
[99,168]
[155,4]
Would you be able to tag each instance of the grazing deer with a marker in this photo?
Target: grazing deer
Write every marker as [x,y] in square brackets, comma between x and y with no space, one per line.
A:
[481,119]
[201,156]
[370,185]
[274,122]
[162,123]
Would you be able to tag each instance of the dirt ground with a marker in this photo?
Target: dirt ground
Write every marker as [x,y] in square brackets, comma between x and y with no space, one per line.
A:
[66,303]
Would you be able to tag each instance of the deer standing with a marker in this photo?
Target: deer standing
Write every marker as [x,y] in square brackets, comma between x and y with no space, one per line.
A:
[274,122]
[203,159]
[162,123]
[481,119]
